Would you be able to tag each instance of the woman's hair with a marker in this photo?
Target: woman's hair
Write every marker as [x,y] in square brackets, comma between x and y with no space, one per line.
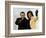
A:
[29,12]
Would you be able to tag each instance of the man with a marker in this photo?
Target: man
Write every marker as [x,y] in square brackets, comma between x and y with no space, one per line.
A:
[22,22]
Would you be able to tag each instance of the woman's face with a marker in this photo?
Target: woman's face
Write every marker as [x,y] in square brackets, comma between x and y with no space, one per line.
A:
[29,15]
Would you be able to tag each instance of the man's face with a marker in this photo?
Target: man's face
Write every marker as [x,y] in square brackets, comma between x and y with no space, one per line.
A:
[22,15]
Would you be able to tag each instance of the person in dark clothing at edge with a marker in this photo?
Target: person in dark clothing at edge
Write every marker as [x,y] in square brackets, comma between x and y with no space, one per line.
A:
[22,22]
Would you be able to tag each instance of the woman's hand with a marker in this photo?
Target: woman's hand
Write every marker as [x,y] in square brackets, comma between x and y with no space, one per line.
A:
[36,12]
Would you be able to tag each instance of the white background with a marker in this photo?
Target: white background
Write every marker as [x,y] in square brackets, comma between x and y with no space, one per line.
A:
[2,19]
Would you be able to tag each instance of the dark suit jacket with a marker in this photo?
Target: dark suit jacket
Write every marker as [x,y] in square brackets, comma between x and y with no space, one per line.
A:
[22,24]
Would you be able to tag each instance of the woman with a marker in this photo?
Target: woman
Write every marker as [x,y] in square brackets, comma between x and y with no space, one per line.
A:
[32,19]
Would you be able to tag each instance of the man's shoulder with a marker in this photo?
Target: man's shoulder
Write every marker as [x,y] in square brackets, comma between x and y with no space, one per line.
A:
[25,19]
[18,18]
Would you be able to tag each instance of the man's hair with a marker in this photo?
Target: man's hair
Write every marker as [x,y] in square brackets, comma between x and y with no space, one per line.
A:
[22,12]
[29,12]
